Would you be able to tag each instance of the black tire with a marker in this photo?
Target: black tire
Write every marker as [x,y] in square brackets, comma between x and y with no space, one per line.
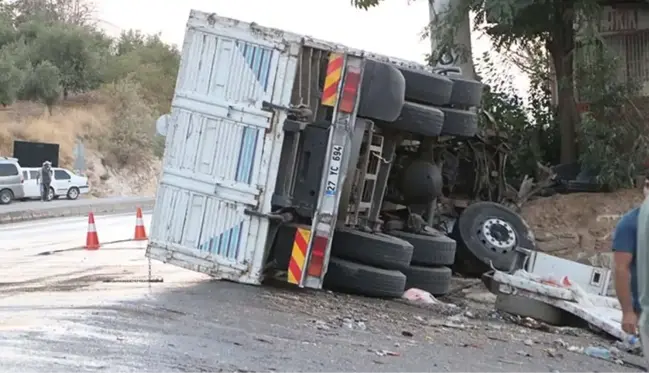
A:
[474,252]
[375,249]
[527,307]
[435,280]
[459,123]
[6,196]
[51,195]
[465,92]
[382,92]
[429,249]
[421,181]
[418,119]
[73,193]
[427,88]
[363,279]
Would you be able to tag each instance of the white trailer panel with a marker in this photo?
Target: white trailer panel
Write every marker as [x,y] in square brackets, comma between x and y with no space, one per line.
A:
[222,149]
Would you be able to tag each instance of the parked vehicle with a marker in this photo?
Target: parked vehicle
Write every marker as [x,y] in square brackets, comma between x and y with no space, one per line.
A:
[300,158]
[11,180]
[65,183]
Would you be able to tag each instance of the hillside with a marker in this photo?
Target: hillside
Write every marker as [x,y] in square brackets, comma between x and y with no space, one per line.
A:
[63,80]
[86,118]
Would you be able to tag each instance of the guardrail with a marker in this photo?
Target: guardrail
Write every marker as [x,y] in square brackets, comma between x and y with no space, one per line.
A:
[25,211]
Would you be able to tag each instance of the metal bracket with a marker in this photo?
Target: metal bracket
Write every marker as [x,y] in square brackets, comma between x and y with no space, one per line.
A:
[284,217]
[268,106]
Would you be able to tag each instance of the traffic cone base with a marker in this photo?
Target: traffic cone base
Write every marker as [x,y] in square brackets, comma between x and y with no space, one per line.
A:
[140,232]
[92,240]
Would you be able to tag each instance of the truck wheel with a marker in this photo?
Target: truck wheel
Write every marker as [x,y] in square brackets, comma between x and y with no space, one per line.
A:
[487,232]
[435,280]
[363,279]
[427,88]
[459,123]
[418,119]
[382,92]
[527,307]
[376,249]
[465,92]
[429,249]
[421,181]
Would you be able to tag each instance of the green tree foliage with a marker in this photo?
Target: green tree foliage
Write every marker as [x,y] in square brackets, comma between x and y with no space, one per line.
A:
[11,80]
[531,128]
[50,50]
[512,23]
[43,83]
[149,62]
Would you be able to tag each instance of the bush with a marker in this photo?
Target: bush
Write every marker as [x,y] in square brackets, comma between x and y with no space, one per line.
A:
[130,139]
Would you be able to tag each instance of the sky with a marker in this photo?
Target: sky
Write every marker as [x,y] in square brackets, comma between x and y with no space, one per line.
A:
[393,29]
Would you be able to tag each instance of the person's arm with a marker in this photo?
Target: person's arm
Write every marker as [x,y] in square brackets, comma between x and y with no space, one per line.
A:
[623,247]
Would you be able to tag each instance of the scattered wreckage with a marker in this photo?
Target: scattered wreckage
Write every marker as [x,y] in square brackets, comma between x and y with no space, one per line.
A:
[555,290]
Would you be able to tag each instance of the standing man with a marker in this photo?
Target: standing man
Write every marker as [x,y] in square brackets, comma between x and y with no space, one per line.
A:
[625,250]
[46,180]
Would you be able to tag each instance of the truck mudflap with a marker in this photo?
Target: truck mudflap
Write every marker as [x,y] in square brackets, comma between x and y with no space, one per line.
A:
[600,311]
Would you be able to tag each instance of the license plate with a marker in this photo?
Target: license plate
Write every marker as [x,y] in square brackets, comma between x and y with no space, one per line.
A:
[335,162]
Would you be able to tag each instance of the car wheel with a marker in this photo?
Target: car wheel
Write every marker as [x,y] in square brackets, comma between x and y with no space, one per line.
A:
[51,194]
[73,193]
[6,196]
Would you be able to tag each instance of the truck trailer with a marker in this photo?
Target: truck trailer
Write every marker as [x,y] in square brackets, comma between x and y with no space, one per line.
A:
[322,165]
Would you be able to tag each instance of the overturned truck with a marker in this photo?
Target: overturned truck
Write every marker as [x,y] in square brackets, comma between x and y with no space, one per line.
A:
[322,165]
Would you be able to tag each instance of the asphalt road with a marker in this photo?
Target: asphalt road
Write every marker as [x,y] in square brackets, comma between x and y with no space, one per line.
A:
[65,309]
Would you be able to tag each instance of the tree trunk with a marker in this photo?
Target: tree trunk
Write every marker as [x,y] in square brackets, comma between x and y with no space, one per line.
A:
[561,46]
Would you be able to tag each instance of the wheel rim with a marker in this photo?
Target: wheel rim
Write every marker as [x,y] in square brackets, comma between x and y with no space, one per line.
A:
[73,193]
[50,194]
[497,235]
[5,197]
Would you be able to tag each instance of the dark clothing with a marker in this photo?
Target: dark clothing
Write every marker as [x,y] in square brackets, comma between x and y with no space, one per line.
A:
[45,188]
[625,241]
[46,175]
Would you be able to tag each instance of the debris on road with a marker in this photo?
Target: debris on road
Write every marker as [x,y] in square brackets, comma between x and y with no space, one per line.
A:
[385,352]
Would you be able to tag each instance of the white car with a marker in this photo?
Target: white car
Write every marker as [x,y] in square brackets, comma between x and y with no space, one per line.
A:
[65,183]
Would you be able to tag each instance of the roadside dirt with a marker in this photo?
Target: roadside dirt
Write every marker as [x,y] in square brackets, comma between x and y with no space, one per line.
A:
[579,226]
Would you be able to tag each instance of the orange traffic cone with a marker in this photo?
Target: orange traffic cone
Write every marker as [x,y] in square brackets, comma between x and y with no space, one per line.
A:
[140,233]
[92,240]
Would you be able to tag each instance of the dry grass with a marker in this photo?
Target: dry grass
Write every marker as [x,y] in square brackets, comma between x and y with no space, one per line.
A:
[31,122]
[87,117]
